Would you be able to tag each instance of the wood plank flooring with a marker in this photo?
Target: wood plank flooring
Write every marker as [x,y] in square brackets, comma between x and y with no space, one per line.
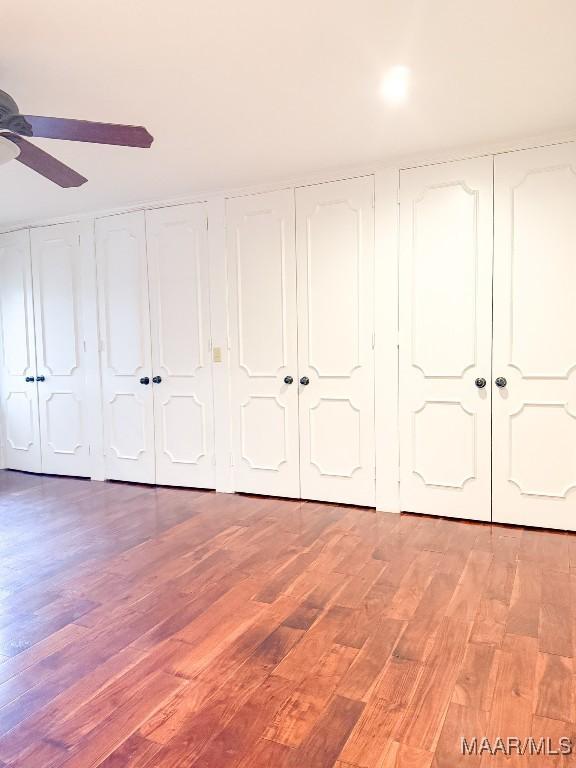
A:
[157,628]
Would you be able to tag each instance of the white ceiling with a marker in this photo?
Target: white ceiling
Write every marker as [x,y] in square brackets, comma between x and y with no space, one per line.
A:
[240,92]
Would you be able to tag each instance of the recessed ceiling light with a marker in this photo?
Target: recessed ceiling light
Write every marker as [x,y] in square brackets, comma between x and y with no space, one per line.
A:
[395,85]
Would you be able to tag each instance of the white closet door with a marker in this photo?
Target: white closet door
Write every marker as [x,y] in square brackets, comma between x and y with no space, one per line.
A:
[262,296]
[180,318]
[126,353]
[335,252]
[445,338]
[19,397]
[534,415]
[56,269]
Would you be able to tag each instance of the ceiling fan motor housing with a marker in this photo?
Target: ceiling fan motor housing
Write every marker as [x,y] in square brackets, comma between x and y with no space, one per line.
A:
[10,117]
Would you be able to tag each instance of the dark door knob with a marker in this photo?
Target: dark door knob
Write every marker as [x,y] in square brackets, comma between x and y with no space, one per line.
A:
[144,380]
[40,378]
[29,378]
[157,379]
[480,383]
[288,380]
[501,382]
[305,381]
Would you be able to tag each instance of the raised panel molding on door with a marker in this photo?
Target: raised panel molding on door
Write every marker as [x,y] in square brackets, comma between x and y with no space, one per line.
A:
[180,320]
[445,338]
[534,412]
[335,256]
[57,267]
[18,387]
[262,303]
[125,348]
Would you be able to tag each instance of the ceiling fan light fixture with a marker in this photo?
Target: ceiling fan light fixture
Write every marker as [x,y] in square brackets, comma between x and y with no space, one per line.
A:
[8,151]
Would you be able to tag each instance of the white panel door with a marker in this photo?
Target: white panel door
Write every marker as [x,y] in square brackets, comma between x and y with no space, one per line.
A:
[445,338]
[18,387]
[181,366]
[534,414]
[125,348]
[57,274]
[335,254]
[262,296]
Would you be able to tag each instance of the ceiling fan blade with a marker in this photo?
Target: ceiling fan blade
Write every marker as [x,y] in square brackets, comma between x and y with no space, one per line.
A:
[85,130]
[44,164]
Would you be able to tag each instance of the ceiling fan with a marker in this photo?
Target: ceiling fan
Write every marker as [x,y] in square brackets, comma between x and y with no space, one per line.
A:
[15,126]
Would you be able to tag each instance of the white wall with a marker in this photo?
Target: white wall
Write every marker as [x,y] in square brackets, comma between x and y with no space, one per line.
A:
[386,337]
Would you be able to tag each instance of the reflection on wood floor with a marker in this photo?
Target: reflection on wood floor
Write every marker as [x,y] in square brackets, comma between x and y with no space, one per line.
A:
[155,627]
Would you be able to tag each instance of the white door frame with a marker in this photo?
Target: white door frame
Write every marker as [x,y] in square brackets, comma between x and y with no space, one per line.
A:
[386,241]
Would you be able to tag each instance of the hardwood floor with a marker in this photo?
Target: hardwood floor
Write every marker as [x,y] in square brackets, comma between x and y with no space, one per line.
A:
[156,628]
